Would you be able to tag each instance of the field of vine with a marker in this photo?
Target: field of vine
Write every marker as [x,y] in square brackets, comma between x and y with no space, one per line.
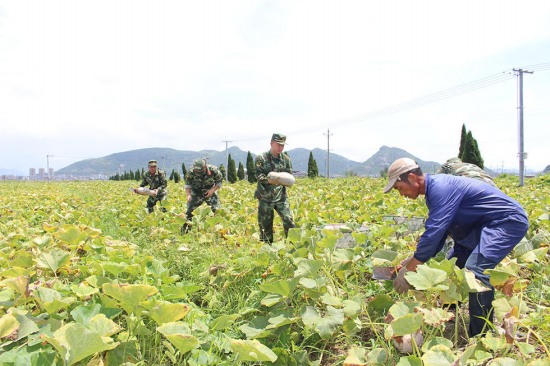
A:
[88,277]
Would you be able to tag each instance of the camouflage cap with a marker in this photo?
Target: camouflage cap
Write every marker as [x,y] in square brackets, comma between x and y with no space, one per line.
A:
[199,165]
[279,138]
[398,167]
[152,163]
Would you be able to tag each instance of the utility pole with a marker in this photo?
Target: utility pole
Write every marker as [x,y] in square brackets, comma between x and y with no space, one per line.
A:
[328,151]
[521,154]
[226,159]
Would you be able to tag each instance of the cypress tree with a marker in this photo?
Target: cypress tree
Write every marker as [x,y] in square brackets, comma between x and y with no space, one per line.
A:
[183,170]
[463,136]
[231,170]
[477,155]
[312,170]
[171,175]
[471,153]
[468,152]
[177,177]
[240,171]
[137,175]
[250,168]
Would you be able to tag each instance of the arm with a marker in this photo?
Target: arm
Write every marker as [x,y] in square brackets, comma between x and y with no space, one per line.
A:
[261,169]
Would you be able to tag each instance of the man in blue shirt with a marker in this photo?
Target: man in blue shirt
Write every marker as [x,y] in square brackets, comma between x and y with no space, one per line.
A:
[484,223]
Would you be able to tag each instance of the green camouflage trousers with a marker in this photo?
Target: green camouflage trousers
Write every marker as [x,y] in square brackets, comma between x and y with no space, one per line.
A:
[152,201]
[197,200]
[266,215]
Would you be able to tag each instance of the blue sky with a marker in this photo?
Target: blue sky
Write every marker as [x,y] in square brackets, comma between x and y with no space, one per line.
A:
[83,79]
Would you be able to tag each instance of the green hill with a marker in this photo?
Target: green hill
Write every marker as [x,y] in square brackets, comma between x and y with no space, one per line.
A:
[171,159]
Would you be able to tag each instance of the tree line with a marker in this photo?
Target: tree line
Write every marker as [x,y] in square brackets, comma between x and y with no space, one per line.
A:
[233,172]
[468,152]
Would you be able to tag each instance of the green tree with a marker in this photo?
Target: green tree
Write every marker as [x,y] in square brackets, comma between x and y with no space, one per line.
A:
[222,170]
[469,155]
[183,170]
[477,155]
[240,171]
[463,136]
[312,170]
[231,170]
[250,168]
[137,175]
[177,177]
[171,177]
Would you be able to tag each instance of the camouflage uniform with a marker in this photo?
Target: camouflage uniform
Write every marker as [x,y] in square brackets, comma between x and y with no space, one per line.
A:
[271,197]
[156,181]
[199,181]
[455,166]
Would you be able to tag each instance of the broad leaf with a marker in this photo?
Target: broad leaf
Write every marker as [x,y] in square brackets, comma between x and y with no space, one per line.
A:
[426,278]
[179,335]
[74,342]
[53,260]
[252,350]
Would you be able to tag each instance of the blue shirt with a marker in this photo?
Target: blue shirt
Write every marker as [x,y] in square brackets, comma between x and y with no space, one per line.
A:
[476,215]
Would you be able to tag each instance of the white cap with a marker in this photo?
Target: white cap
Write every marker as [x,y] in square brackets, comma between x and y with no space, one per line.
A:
[398,167]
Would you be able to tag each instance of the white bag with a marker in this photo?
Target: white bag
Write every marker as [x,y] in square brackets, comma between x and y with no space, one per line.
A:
[144,191]
[282,178]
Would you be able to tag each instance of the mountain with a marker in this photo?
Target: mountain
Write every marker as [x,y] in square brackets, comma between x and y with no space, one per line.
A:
[169,159]
[133,160]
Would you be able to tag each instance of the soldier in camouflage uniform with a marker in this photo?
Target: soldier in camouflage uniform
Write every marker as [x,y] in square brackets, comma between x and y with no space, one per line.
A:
[156,180]
[270,196]
[455,166]
[201,184]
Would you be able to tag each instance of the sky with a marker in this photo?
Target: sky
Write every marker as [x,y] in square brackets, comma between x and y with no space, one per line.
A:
[86,79]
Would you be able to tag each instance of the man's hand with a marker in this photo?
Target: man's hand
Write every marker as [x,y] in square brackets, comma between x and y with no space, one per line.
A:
[153,192]
[400,283]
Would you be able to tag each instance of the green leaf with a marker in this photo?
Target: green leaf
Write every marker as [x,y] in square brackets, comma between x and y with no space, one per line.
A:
[53,260]
[8,325]
[82,290]
[52,301]
[129,295]
[331,300]
[103,326]
[179,291]
[224,321]
[406,324]
[409,361]
[308,283]
[356,357]
[439,356]
[252,350]
[351,308]
[126,353]
[74,342]
[71,235]
[494,343]
[271,300]
[281,287]
[326,325]
[179,335]
[167,312]
[427,278]
[308,268]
